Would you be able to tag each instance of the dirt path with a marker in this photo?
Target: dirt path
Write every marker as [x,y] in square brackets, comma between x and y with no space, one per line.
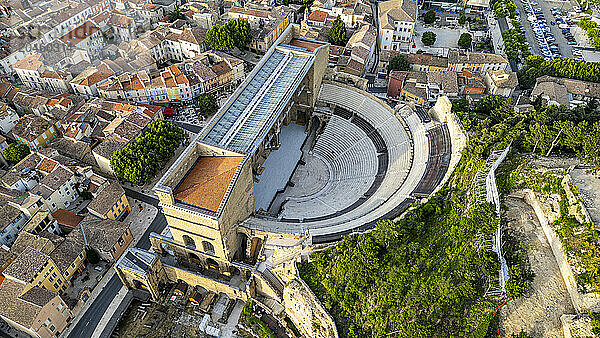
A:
[539,312]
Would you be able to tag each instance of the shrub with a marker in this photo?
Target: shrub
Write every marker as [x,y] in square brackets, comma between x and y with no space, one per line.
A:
[15,152]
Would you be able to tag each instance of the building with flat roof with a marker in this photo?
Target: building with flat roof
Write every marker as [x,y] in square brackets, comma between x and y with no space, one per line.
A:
[209,189]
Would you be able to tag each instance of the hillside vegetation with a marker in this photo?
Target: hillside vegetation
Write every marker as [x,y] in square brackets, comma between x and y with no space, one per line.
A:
[424,275]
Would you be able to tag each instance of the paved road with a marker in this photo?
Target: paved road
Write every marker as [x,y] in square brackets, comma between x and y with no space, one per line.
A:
[88,322]
[189,127]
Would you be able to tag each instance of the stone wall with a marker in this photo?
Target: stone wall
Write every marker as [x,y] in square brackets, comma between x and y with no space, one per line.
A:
[345,79]
[584,216]
[581,302]
[307,312]
[192,279]
[442,112]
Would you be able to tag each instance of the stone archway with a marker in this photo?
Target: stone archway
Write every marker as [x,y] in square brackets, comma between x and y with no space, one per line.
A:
[193,258]
[189,242]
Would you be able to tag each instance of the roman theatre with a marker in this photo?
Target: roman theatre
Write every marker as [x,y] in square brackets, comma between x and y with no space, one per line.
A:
[299,156]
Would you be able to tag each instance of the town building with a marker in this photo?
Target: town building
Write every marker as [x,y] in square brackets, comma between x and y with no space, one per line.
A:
[459,60]
[33,73]
[57,187]
[361,48]
[110,202]
[123,27]
[266,25]
[563,91]
[427,62]
[501,82]
[8,118]
[110,238]
[87,37]
[421,87]
[35,311]
[36,131]
[397,20]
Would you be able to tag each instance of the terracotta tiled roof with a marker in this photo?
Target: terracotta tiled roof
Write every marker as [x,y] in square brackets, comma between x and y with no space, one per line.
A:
[120,21]
[67,218]
[318,16]
[206,184]
[250,12]
[79,34]
[30,62]
[47,165]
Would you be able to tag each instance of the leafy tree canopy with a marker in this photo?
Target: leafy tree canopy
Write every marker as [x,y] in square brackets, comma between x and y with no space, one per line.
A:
[15,152]
[337,33]
[219,38]
[239,30]
[208,104]
[139,160]
[429,17]
[399,62]
[465,41]
[428,38]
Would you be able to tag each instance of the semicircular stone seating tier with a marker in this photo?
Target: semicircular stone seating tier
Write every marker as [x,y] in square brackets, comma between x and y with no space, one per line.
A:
[350,143]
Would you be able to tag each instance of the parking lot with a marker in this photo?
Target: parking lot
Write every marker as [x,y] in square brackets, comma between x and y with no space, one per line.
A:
[545,27]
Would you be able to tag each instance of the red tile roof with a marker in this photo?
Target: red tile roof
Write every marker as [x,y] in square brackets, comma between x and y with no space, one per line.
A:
[79,34]
[67,218]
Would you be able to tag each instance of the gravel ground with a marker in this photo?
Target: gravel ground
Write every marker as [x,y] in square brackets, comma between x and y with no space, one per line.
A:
[539,312]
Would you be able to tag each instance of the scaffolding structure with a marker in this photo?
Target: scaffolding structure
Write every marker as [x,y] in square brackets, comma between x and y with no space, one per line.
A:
[485,190]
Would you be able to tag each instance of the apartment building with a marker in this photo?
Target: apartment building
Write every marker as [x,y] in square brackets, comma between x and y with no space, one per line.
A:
[124,28]
[33,73]
[421,87]
[266,25]
[396,24]
[459,60]
[205,73]
[87,37]
[8,118]
[36,131]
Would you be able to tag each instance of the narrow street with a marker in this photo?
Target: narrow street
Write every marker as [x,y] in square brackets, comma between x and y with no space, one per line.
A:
[88,322]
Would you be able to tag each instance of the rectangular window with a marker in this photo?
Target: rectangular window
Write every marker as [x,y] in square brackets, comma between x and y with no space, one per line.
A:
[47,322]
[59,307]
[55,286]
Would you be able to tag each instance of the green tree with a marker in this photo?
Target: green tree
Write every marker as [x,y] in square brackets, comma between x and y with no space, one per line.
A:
[208,104]
[239,30]
[428,38]
[399,62]
[219,38]
[465,41]
[15,152]
[337,33]
[176,14]
[462,19]
[139,160]
[429,17]
[92,255]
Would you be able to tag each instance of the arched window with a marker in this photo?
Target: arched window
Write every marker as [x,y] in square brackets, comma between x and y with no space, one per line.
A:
[189,242]
[208,247]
